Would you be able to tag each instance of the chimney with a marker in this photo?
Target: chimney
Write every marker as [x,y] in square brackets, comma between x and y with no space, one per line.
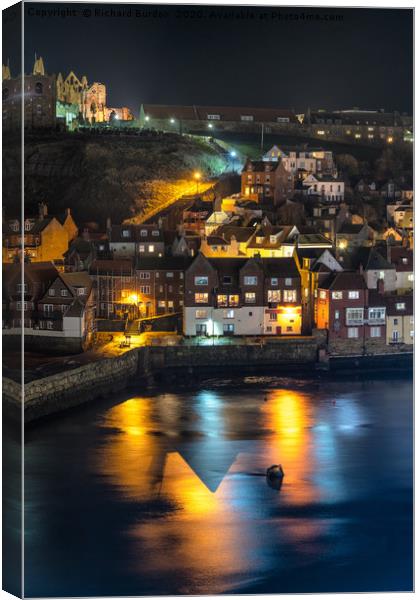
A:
[381,286]
[85,234]
[68,212]
[43,210]
[108,223]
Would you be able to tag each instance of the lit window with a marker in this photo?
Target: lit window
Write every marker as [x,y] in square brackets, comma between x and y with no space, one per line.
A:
[288,281]
[141,248]
[410,277]
[80,291]
[201,280]
[222,300]
[144,275]
[201,298]
[247,118]
[151,248]
[274,296]
[274,281]
[322,294]
[126,233]
[353,295]
[233,300]
[400,306]
[354,315]
[337,295]
[250,297]
[229,314]
[289,295]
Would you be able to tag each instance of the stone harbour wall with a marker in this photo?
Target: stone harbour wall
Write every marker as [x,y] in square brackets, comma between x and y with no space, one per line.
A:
[77,386]
[148,364]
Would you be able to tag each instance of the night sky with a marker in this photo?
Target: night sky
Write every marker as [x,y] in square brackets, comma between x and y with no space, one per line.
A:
[230,55]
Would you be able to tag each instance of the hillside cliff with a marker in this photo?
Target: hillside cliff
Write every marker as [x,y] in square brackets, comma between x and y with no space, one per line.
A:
[104,175]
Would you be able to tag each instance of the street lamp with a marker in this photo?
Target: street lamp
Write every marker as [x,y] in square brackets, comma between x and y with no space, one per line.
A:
[172,121]
[232,155]
[197,177]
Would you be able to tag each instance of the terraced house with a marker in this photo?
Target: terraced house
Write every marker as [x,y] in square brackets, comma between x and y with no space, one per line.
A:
[57,309]
[241,296]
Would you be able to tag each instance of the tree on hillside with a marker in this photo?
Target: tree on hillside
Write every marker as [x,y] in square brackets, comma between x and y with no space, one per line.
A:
[348,167]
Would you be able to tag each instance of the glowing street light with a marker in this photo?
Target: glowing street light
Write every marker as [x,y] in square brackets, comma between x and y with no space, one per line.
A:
[197,177]
[210,125]
[172,121]
[233,153]
[147,118]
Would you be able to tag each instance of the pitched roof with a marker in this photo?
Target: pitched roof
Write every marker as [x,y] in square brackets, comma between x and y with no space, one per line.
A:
[226,113]
[164,263]
[369,258]
[242,234]
[392,301]
[346,280]
[398,254]
[351,228]
[111,267]
[280,267]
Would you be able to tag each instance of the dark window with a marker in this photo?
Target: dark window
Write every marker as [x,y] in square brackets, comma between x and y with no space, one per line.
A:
[5,94]
[39,88]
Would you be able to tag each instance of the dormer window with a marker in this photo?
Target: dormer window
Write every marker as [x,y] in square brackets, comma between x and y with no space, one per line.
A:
[126,233]
[273,239]
[51,292]
[143,233]
[64,293]
[155,232]
[81,291]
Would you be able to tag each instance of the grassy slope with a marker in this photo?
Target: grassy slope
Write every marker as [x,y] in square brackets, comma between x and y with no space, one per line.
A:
[100,176]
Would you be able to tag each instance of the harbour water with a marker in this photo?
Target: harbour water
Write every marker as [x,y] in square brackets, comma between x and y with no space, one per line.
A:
[166,493]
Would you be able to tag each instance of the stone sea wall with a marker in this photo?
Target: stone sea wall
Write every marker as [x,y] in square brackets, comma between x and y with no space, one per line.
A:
[70,388]
[141,366]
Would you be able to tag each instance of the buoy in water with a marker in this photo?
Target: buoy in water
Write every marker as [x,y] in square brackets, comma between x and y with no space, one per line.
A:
[275,472]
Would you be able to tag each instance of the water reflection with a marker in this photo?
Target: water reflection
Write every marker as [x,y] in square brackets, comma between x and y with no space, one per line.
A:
[176,485]
[187,455]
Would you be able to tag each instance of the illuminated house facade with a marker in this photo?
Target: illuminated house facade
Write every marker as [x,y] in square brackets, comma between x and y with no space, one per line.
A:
[46,237]
[57,308]
[232,297]
[266,181]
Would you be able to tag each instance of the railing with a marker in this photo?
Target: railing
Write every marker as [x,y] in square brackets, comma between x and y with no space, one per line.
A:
[376,322]
[398,340]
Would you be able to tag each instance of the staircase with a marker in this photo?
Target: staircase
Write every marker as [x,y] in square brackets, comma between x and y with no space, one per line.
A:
[132,327]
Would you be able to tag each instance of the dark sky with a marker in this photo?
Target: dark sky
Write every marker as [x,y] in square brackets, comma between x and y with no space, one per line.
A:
[231,55]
